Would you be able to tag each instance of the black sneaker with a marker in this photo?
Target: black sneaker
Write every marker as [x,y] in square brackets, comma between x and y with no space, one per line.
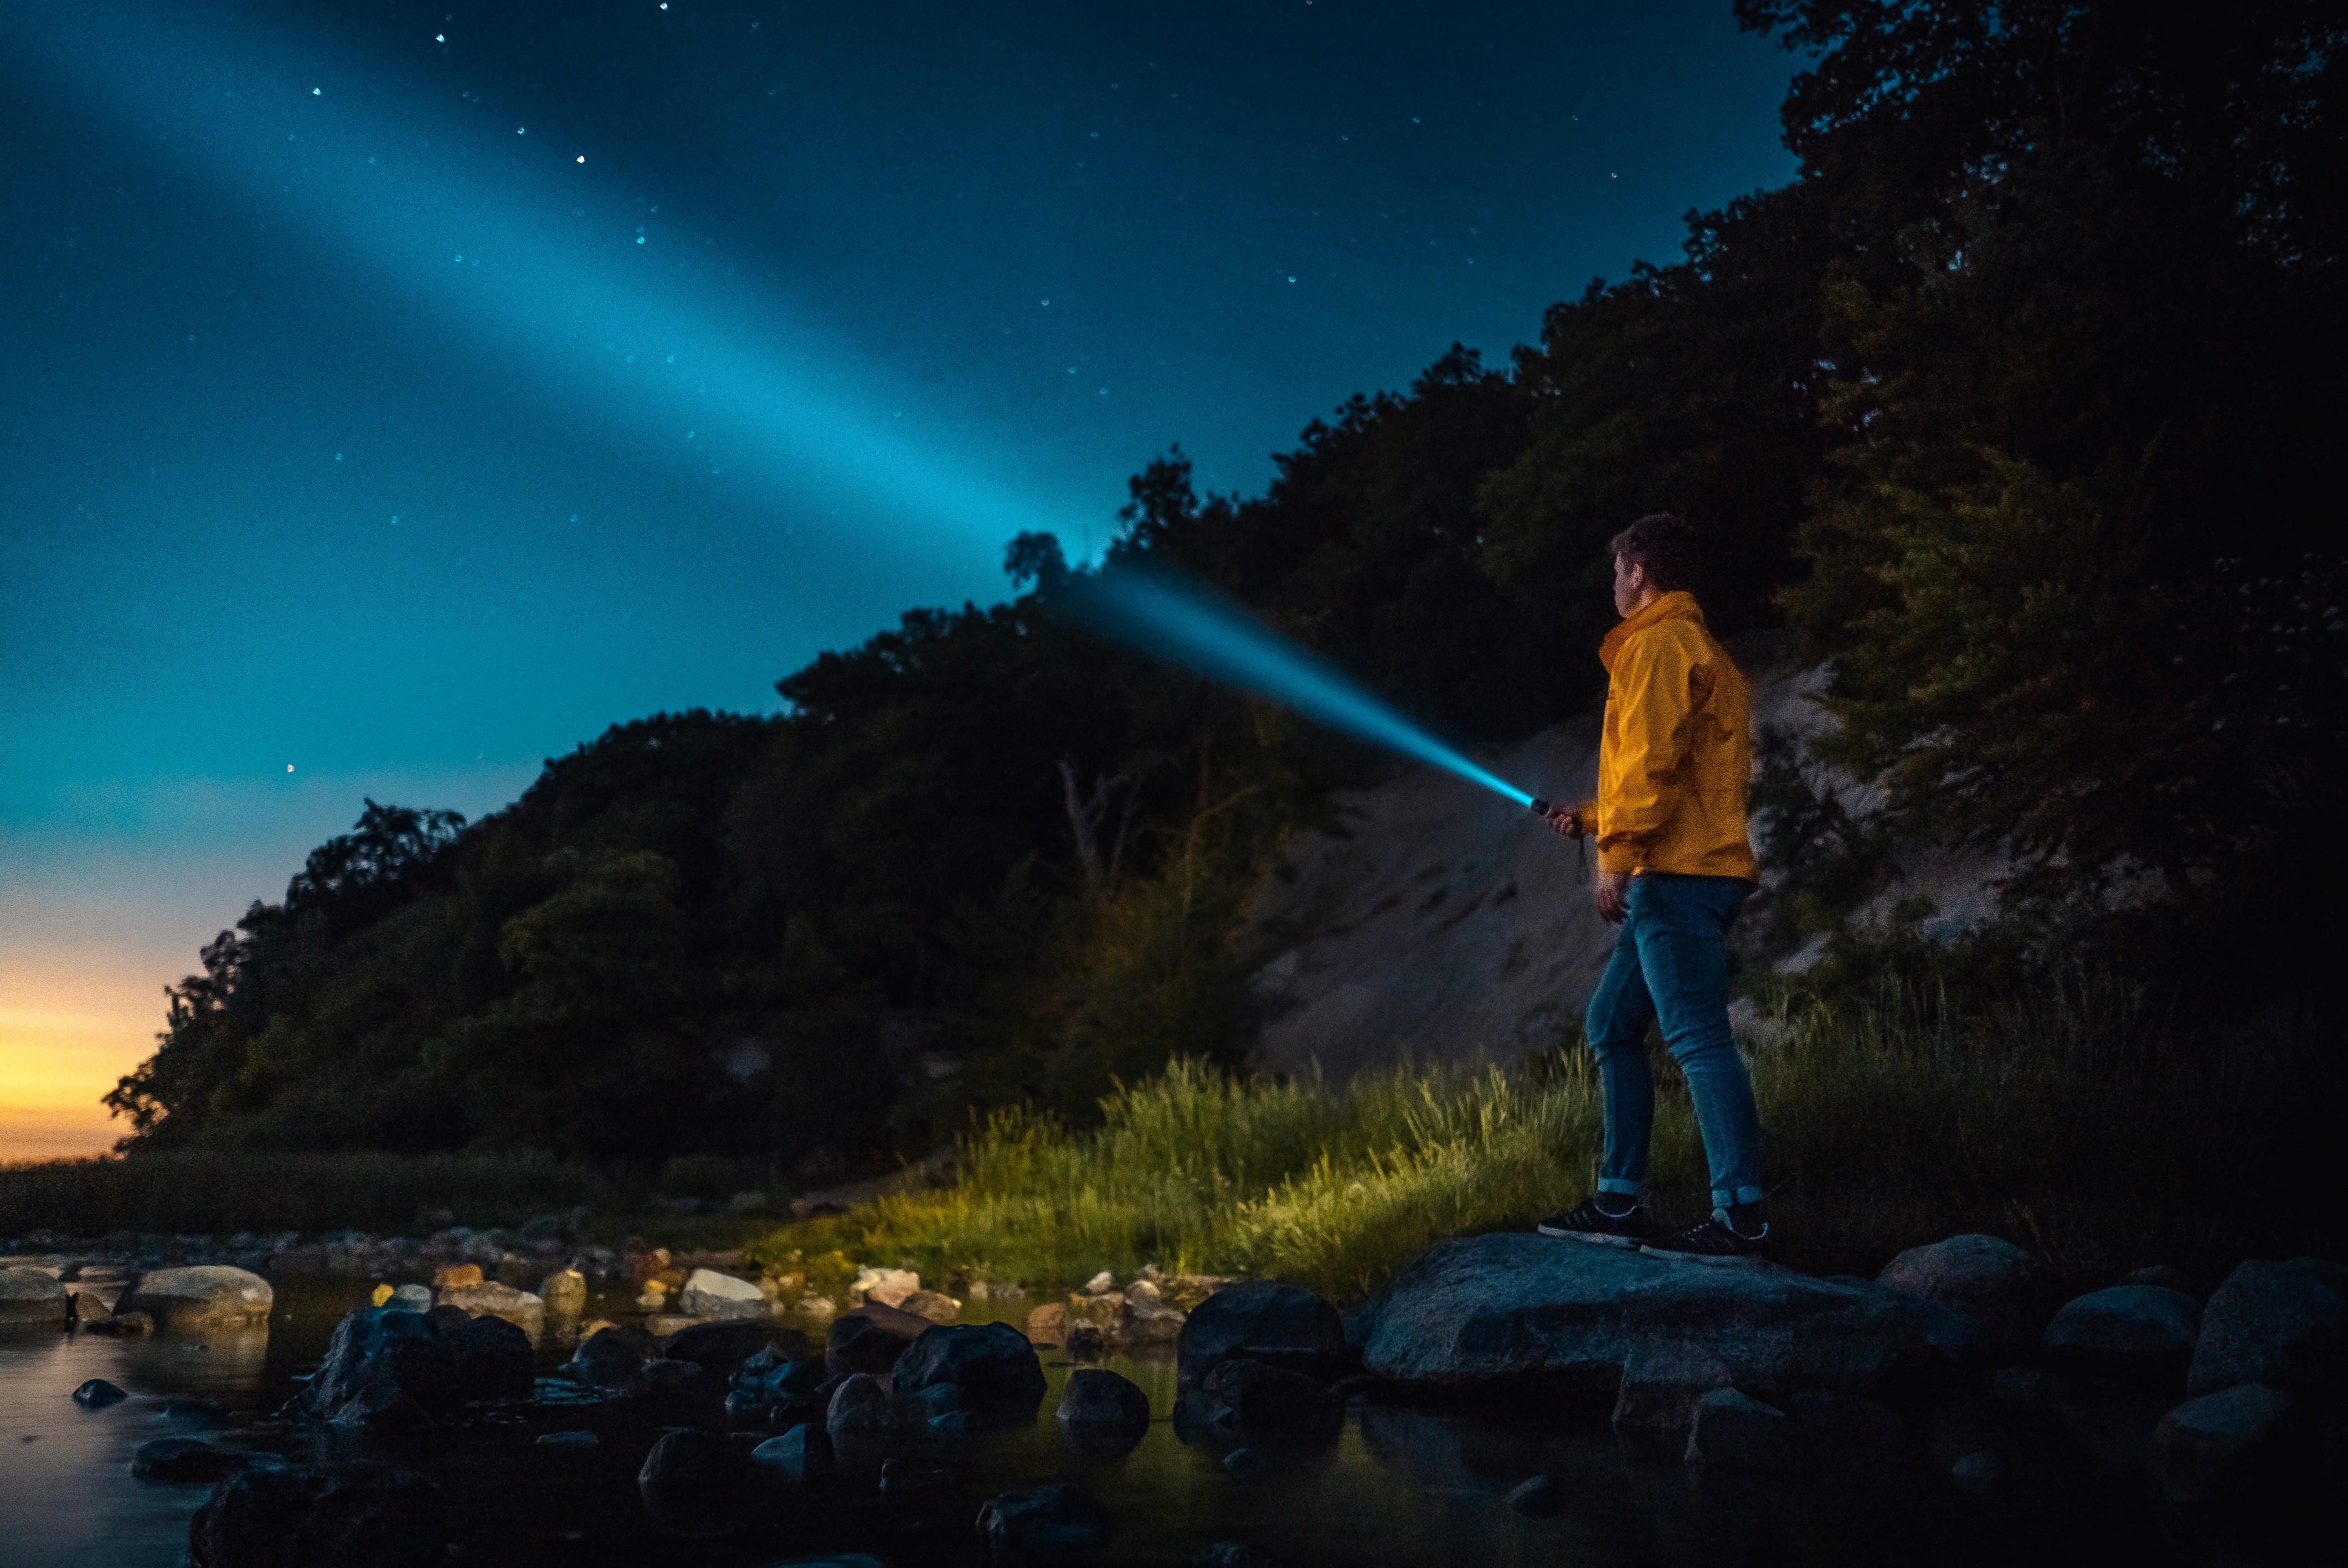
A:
[1715,1240]
[1587,1222]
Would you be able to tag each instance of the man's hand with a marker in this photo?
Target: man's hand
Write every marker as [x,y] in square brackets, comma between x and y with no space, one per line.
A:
[1567,821]
[1613,892]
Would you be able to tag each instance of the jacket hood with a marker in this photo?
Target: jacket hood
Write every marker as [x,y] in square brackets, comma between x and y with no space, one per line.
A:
[1677,605]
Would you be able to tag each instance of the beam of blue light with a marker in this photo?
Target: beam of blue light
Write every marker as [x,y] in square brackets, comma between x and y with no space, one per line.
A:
[545,268]
[496,234]
[1177,622]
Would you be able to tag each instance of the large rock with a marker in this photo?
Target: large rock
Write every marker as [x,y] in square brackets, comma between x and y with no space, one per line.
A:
[1992,1280]
[354,1515]
[859,1407]
[2208,1447]
[494,1359]
[1099,1399]
[2138,1332]
[385,1368]
[801,1454]
[2281,1324]
[28,1295]
[612,1358]
[721,1298]
[1737,1431]
[524,1310]
[1044,1520]
[1264,1321]
[212,1296]
[871,1339]
[991,1364]
[1510,1307]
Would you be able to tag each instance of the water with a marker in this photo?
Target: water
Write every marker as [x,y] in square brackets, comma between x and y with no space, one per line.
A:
[1398,1483]
[1183,623]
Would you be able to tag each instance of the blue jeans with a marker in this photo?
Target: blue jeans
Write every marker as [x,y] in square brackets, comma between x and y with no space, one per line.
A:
[1672,961]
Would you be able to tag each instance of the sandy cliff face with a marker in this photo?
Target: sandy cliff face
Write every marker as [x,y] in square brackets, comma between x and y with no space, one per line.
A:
[1447,924]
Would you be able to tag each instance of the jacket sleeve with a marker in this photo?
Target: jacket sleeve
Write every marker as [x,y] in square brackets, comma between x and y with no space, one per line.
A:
[1652,683]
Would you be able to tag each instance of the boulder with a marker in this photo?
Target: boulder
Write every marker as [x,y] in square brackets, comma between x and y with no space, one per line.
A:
[612,1358]
[1995,1282]
[385,1368]
[721,1298]
[211,1296]
[185,1459]
[1062,1517]
[564,1292]
[2205,1449]
[801,1454]
[28,1295]
[518,1307]
[1254,1397]
[1097,1399]
[97,1394]
[1262,1317]
[871,1339]
[690,1483]
[993,1364]
[1737,1431]
[2281,1324]
[2138,1332]
[722,1348]
[494,1359]
[933,1305]
[1510,1307]
[360,1514]
[859,1407]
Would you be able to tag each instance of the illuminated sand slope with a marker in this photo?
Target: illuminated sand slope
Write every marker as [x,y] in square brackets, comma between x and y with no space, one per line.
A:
[1451,928]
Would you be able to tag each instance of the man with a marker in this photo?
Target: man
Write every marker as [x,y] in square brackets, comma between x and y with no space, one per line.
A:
[1674,865]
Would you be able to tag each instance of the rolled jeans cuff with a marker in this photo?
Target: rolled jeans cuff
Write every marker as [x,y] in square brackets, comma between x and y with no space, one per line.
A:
[1617,1185]
[1723,1197]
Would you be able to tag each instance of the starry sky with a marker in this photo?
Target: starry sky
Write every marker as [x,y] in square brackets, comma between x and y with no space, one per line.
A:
[398,395]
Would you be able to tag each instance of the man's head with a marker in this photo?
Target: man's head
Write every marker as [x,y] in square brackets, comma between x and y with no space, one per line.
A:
[1654,556]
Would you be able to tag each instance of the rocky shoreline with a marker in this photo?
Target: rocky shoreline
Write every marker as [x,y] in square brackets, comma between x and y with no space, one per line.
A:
[1959,1358]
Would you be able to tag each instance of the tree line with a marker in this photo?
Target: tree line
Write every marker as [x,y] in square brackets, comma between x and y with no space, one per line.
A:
[2020,402]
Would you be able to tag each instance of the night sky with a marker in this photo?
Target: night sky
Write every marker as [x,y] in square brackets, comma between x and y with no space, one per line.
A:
[398,396]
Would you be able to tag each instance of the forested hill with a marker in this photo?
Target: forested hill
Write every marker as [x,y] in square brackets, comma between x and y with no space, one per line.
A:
[2022,403]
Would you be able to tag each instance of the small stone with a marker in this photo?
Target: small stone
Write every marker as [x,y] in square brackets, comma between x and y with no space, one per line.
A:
[904,1480]
[411,1299]
[2205,1448]
[1048,1324]
[1044,1519]
[518,1307]
[859,1406]
[2030,1387]
[888,1286]
[184,1459]
[934,1304]
[1661,1384]
[195,1412]
[381,1296]
[1231,1555]
[1737,1431]
[209,1296]
[1991,1279]
[803,1453]
[2168,1275]
[1252,1320]
[1100,1284]
[721,1298]
[97,1394]
[1982,1472]
[575,1441]
[1244,1462]
[1085,1342]
[1540,1497]
[564,1292]
[1095,1397]
[993,1364]
[455,1275]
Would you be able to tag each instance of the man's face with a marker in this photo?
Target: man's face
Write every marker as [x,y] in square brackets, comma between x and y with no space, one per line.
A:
[1629,582]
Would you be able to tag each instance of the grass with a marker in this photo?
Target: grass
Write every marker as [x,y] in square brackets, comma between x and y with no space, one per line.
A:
[2068,1120]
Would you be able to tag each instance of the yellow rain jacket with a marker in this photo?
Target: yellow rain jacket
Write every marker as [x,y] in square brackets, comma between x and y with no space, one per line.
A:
[1675,756]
